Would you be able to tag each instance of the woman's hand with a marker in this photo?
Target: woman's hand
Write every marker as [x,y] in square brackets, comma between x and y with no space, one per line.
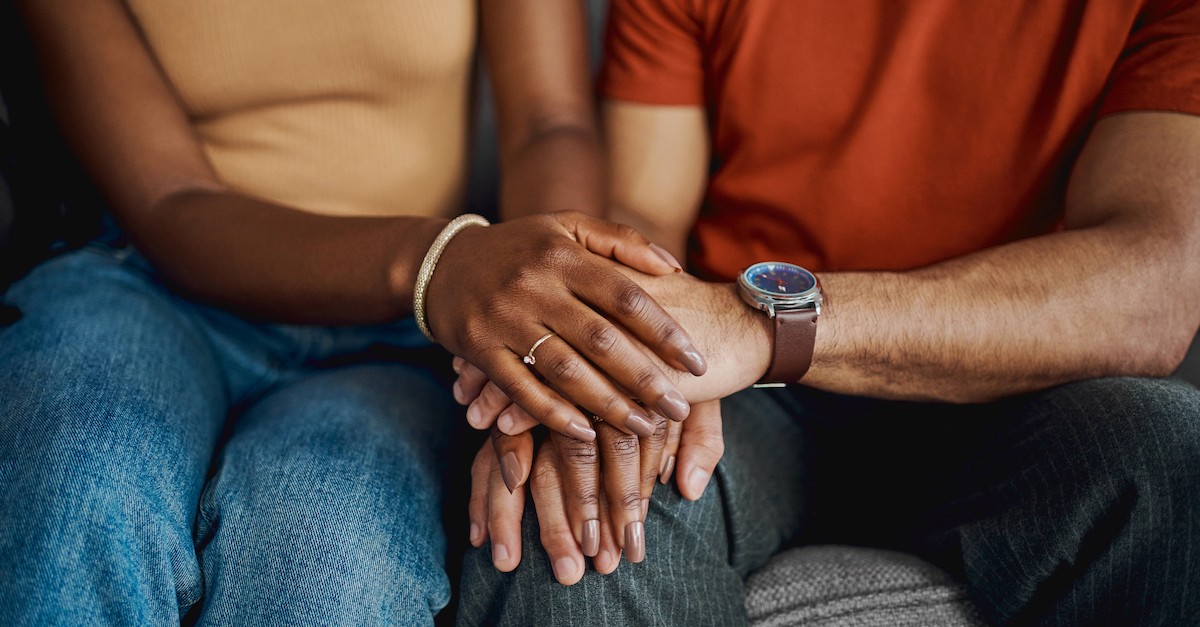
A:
[497,290]
[591,498]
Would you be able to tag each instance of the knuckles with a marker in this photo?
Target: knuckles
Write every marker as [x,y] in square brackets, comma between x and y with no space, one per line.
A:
[632,301]
[623,448]
[578,453]
[601,337]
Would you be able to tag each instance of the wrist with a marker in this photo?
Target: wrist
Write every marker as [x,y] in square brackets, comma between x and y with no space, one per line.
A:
[756,338]
[430,293]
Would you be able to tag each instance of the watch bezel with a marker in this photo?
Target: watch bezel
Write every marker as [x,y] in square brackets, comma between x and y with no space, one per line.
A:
[771,301]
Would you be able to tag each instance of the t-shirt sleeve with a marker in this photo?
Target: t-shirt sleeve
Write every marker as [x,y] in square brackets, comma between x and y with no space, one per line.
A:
[1160,66]
[653,53]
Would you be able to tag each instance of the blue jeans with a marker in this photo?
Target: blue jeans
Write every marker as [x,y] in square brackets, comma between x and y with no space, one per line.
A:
[162,459]
[1077,505]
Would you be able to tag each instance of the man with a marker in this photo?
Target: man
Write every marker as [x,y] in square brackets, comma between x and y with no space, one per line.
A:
[1001,201]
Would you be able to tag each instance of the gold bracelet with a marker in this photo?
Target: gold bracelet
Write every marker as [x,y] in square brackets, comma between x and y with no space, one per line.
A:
[430,262]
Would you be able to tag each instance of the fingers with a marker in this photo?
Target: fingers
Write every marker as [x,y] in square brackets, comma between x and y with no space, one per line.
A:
[484,410]
[609,556]
[669,453]
[623,299]
[579,465]
[621,478]
[495,512]
[514,455]
[514,420]
[560,542]
[651,450]
[469,383]
[576,378]
[700,448]
[493,407]
[620,298]
[477,507]
[514,379]
[623,243]
[623,361]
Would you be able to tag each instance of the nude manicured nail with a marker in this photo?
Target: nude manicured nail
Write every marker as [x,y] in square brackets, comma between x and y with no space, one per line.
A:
[635,541]
[505,422]
[665,475]
[591,538]
[645,508]
[580,432]
[499,554]
[510,470]
[476,533]
[673,406]
[458,394]
[667,257]
[694,361]
[639,424]
[564,567]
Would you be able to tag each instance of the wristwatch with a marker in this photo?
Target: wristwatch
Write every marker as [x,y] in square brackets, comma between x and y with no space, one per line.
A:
[791,297]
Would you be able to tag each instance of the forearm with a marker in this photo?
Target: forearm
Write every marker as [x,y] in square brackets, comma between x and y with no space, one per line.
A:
[1103,301]
[559,168]
[278,263]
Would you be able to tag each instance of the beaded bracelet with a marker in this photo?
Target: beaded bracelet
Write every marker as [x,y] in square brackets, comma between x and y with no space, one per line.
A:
[430,262]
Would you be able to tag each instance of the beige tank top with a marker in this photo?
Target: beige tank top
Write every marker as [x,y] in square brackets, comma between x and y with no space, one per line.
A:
[357,107]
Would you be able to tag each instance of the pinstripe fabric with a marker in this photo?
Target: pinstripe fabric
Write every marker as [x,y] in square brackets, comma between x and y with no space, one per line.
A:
[1079,505]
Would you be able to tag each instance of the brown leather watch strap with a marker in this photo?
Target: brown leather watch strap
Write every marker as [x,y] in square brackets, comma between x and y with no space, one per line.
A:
[791,355]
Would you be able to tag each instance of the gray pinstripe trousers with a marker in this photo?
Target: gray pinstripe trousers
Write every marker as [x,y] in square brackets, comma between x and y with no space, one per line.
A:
[1078,505]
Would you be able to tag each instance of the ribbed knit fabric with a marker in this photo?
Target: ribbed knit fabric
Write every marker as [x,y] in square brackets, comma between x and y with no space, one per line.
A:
[855,587]
[332,107]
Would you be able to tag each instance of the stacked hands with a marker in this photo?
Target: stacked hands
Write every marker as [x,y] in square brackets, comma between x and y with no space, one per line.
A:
[613,380]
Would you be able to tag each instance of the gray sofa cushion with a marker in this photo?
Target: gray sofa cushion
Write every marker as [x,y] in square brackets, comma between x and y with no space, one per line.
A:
[855,587]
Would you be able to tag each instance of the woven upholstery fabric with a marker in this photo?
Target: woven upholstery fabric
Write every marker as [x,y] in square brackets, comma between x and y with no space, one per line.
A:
[855,587]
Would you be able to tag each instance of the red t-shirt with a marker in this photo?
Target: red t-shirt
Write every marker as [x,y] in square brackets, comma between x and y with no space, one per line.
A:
[891,134]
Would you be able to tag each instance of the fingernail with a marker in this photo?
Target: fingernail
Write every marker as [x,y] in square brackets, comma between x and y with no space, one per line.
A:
[476,533]
[673,406]
[505,422]
[665,476]
[499,554]
[510,469]
[645,508]
[580,432]
[698,480]
[667,257]
[473,415]
[458,393]
[591,538]
[635,541]
[456,364]
[694,361]
[639,424]
[564,567]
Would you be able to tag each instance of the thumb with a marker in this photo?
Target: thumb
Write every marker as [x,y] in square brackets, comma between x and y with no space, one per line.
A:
[701,447]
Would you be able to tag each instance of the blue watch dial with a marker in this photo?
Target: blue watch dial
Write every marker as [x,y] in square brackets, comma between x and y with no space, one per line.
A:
[783,279]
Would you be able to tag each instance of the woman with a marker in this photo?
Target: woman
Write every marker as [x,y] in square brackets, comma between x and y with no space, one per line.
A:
[234,417]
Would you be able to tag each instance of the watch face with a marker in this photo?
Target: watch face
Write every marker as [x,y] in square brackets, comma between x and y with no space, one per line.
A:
[781,279]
